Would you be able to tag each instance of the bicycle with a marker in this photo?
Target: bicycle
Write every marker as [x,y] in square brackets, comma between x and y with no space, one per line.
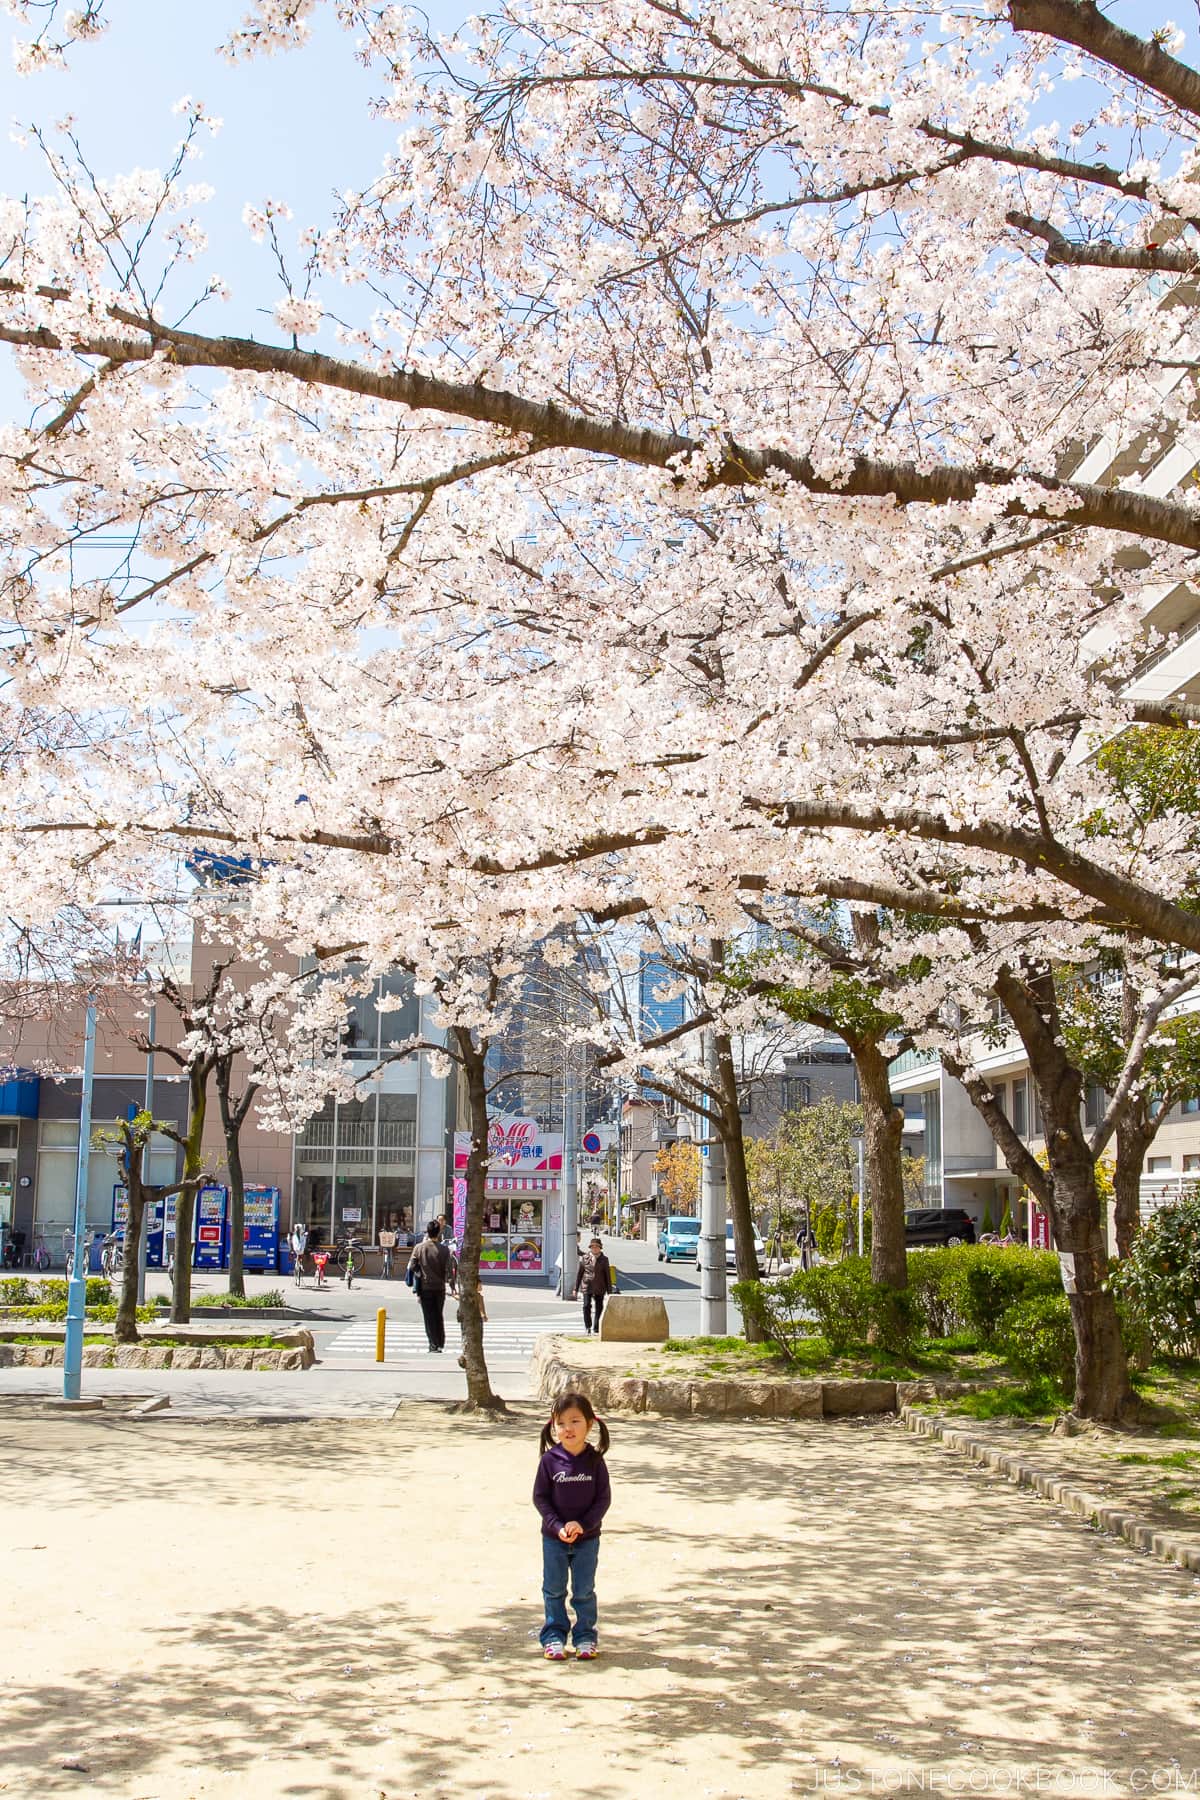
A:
[41,1254]
[320,1259]
[112,1256]
[350,1259]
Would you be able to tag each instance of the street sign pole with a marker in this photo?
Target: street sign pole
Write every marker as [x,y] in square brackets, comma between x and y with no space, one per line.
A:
[77,1285]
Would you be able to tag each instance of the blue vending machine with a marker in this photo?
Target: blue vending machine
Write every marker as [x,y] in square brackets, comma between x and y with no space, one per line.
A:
[212,1228]
[261,1230]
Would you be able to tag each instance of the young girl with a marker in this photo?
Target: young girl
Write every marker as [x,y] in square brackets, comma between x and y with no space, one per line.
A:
[572,1494]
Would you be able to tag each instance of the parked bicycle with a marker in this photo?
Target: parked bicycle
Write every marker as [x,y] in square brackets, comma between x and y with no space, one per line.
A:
[349,1259]
[41,1253]
[320,1261]
[112,1256]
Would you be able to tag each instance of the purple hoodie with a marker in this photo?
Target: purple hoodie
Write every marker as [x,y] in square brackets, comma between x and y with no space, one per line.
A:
[571,1487]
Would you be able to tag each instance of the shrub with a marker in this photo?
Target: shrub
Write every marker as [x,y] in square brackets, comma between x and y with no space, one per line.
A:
[999,1277]
[1159,1281]
[1037,1340]
[272,1298]
[778,1309]
[837,1300]
[827,1229]
[19,1291]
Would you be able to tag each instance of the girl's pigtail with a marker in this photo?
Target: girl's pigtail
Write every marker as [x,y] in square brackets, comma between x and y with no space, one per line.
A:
[547,1437]
[604,1437]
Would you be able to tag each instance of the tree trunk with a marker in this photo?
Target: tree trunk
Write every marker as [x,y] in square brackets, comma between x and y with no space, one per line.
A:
[231,1128]
[185,1205]
[125,1330]
[479,1387]
[1102,1390]
[883,1126]
[1135,1135]
[737,1181]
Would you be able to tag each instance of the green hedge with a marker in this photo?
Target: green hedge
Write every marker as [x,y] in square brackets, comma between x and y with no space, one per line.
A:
[19,1290]
[972,1288]
[1036,1338]
[1157,1287]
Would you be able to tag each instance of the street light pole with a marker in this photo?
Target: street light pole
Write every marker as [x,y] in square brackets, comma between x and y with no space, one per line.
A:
[570,1187]
[77,1285]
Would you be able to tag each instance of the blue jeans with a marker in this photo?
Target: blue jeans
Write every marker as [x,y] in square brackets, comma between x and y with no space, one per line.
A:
[579,1559]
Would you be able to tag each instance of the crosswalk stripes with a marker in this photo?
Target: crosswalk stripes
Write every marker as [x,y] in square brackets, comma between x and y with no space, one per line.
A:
[509,1341]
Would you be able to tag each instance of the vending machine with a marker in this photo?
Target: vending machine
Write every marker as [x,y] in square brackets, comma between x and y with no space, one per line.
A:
[260,1236]
[212,1219]
[152,1223]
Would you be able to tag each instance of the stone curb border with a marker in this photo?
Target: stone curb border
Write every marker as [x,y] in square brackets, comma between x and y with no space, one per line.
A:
[158,1356]
[1165,1546]
[677,1397]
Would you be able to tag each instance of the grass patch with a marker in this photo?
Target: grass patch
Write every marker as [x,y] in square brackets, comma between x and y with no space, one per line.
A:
[1030,1400]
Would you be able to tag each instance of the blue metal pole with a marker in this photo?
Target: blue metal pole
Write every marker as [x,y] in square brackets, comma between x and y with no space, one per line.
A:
[77,1286]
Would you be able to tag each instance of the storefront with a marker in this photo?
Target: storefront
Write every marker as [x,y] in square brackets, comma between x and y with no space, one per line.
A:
[523,1189]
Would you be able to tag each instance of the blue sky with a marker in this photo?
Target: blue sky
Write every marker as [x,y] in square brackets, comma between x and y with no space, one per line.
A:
[295,126]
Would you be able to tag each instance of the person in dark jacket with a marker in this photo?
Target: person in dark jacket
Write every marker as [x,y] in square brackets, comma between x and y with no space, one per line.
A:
[572,1494]
[593,1278]
[433,1269]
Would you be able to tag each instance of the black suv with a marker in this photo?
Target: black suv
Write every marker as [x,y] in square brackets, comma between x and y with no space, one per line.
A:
[939,1225]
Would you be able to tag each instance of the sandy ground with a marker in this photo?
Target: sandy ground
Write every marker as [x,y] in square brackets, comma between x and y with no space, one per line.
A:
[349,1611]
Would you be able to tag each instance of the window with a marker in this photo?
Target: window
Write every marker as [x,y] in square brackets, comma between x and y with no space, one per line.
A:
[1191,1165]
[1000,1089]
[1037,1111]
[1020,1108]
[1158,1165]
[796,1092]
[1095,1105]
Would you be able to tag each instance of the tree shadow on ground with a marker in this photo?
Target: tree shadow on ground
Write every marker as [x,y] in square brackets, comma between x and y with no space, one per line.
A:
[772,1596]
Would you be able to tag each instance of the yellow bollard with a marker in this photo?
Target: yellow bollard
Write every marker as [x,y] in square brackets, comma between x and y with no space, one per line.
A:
[380,1332]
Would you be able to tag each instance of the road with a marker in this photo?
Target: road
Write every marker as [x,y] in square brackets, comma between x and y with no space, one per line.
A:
[348,1382]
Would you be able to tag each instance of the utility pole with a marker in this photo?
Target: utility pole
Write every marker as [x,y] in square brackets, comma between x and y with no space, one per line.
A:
[713,1308]
[570,1186]
[77,1285]
[146,1154]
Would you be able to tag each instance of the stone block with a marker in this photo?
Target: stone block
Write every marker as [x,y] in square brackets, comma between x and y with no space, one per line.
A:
[96,1356]
[909,1392]
[130,1356]
[635,1319]
[158,1356]
[187,1356]
[237,1358]
[265,1359]
[212,1357]
[752,1399]
[36,1356]
[8,1356]
[798,1400]
[671,1397]
[841,1399]
[626,1394]
[710,1399]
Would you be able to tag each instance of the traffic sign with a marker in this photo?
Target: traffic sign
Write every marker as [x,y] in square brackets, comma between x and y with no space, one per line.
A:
[592,1143]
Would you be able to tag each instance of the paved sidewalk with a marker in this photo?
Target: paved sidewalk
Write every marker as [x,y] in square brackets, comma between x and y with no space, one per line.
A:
[321,1612]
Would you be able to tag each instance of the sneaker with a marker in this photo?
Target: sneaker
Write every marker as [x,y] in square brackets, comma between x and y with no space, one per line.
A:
[554,1651]
[462,1362]
[587,1651]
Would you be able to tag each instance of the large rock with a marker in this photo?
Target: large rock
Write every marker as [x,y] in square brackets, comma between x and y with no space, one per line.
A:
[187,1356]
[97,1356]
[131,1356]
[711,1398]
[212,1357]
[238,1358]
[635,1319]
[841,1398]
[671,1397]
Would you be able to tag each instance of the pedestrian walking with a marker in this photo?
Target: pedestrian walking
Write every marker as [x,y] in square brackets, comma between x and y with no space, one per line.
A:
[593,1279]
[596,1221]
[572,1494]
[432,1273]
